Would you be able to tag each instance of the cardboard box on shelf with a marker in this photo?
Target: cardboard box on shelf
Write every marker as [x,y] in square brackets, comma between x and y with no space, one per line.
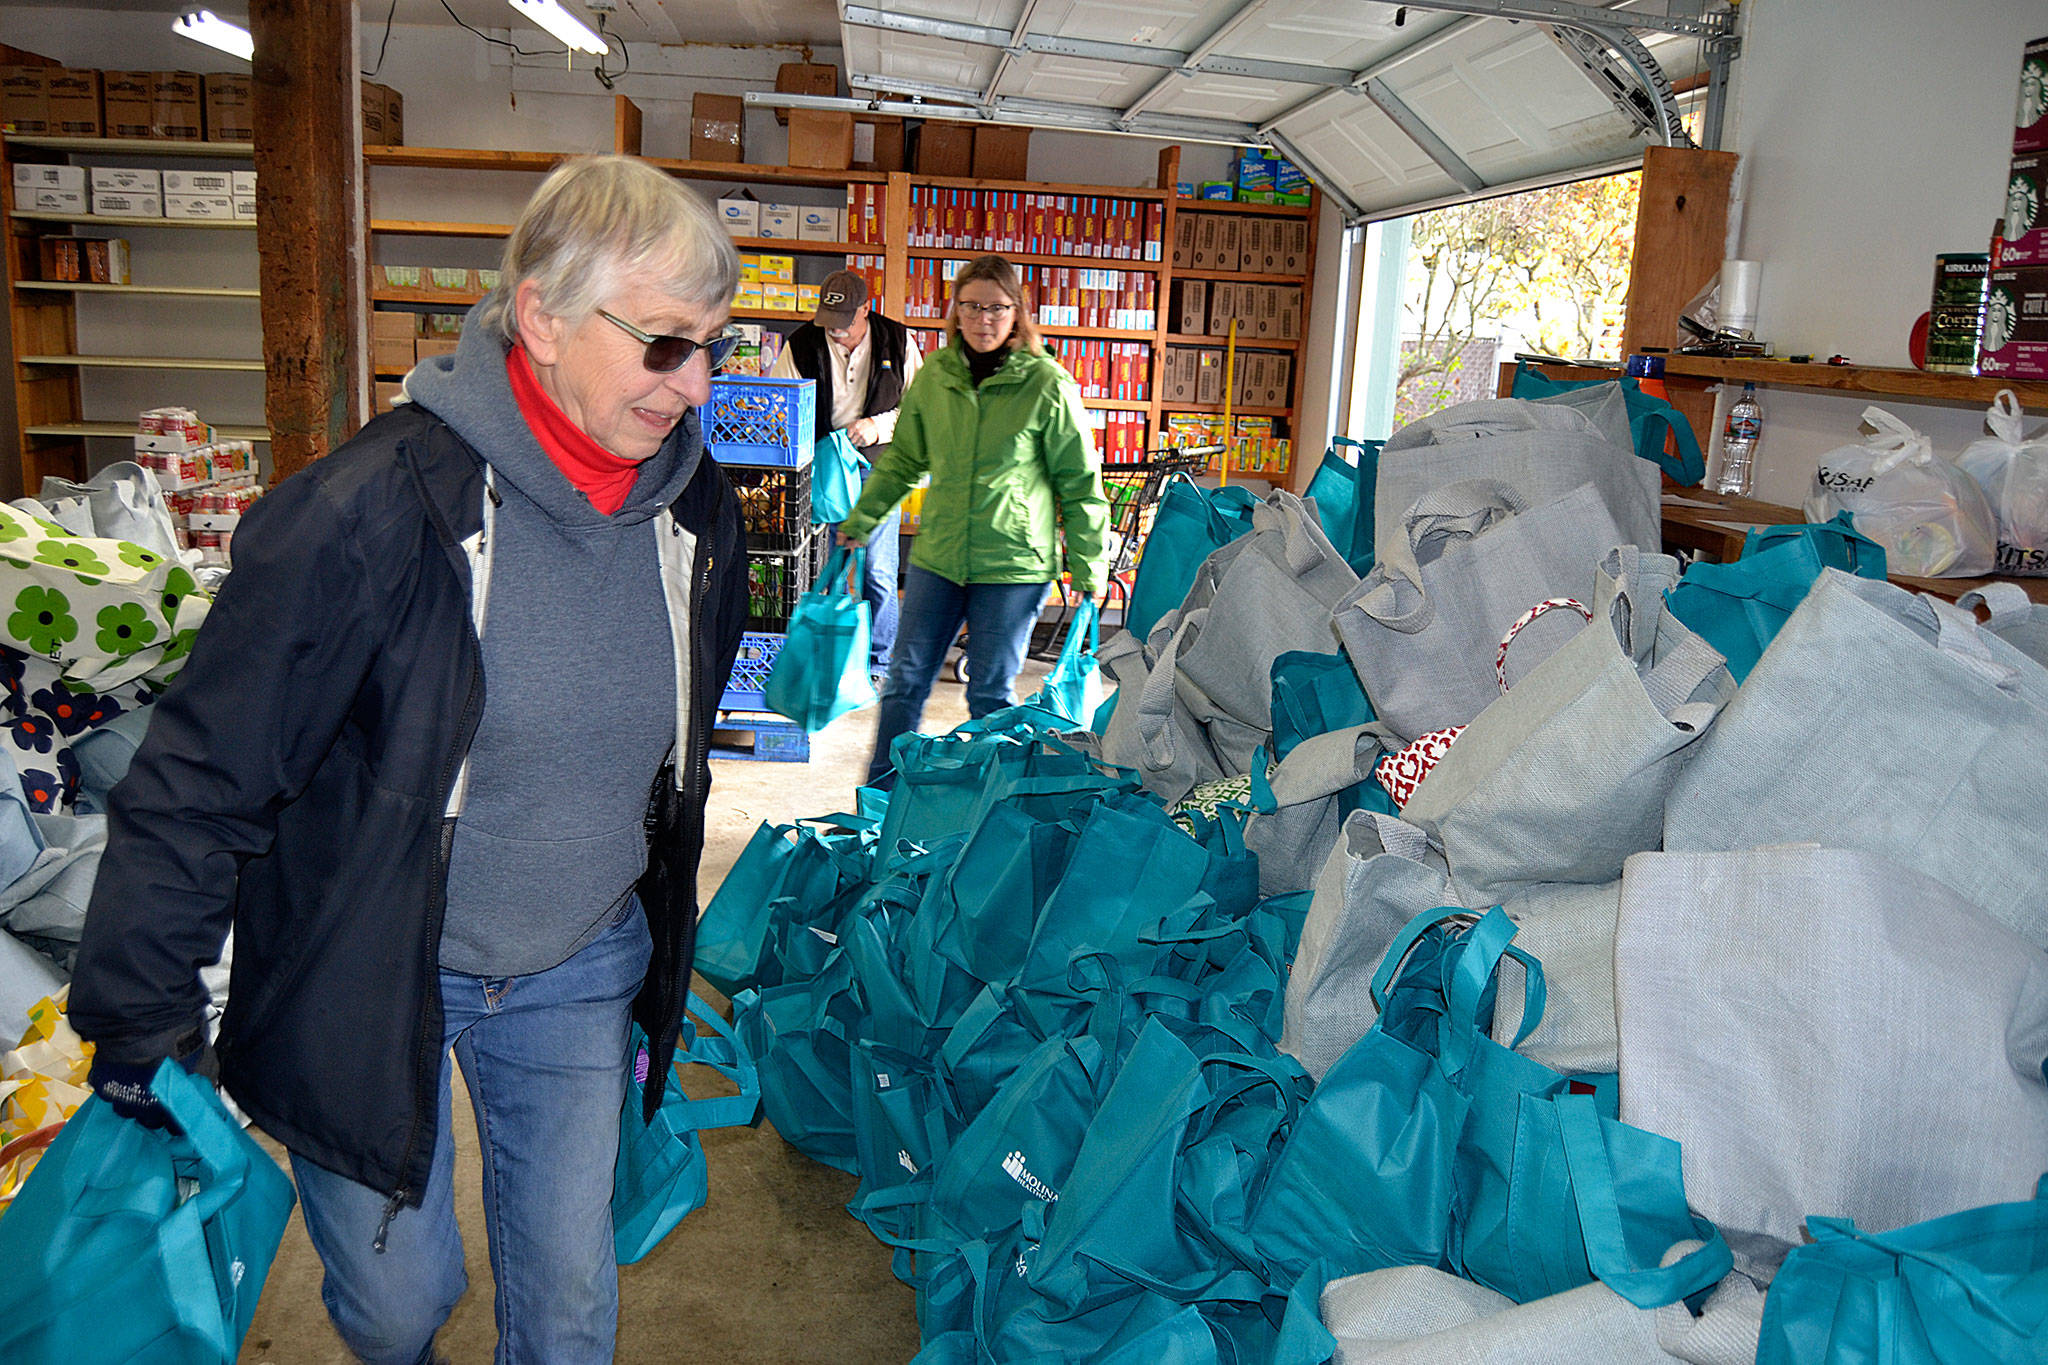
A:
[245,208]
[391,355]
[31,176]
[56,201]
[741,214]
[2015,341]
[821,139]
[1289,325]
[2024,234]
[1294,244]
[125,180]
[125,103]
[2030,119]
[1184,241]
[449,281]
[58,258]
[1208,375]
[1177,375]
[945,147]
[1217,189]
[426,348]
[1230,245]
[486,280]
[74,103]
[778,269]
[878,142]
[25,98]
[244,181]
[441,324]
[113,205]
[1001,152]
[717,125]
[1258,238]
[815,224]
[778,220]
[199,182]
[177,109]
[779,298]
[1194,307]
[748,295]
[1265,310]
[373,115]
[388,392]
[229,98]
[804,78]
[106,259]
[394,324]
[217,207]
[1207,230]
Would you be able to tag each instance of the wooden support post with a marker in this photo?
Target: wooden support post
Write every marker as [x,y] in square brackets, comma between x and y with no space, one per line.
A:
[1681,233]
[309,225]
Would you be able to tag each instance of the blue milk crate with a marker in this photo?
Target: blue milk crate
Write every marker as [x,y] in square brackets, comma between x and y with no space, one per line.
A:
[747,689]
[761,421]
[760,739]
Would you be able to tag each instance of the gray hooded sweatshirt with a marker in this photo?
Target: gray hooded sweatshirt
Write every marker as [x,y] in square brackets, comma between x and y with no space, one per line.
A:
[579,696]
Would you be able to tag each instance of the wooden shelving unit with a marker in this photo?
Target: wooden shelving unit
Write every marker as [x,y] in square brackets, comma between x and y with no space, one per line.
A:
[897,255]
[52,423]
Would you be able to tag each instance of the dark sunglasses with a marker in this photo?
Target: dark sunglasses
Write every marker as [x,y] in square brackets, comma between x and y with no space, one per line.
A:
[667,354]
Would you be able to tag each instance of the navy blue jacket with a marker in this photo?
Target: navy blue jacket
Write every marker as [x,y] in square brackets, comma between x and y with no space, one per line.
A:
[293,781]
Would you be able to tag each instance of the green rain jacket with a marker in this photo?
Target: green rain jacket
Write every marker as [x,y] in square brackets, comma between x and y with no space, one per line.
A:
[1010,463]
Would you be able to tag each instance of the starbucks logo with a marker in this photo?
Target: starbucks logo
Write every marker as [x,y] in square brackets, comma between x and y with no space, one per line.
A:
[2001,314]
[2033,94]
[2021,205]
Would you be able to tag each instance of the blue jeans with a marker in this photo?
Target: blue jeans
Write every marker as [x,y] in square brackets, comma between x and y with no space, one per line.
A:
[544,1057]
[999,618]
[879,588]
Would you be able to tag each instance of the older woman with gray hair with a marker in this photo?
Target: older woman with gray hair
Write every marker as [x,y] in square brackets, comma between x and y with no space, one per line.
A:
[440,757]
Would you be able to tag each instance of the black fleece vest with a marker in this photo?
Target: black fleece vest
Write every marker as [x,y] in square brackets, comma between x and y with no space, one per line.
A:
[887,339]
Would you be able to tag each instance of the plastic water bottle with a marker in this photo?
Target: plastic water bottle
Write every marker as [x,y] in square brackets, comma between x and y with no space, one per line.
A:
[1739,439]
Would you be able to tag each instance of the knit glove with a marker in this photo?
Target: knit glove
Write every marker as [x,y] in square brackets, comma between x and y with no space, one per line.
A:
[125,1085]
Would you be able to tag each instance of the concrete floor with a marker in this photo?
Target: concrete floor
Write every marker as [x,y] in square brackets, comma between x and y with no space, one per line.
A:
[772,1271]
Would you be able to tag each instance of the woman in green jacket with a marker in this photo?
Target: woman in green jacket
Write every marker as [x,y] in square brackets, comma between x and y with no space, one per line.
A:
[999,427]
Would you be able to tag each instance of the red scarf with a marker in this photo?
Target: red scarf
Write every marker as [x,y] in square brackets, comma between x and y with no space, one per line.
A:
[598,474]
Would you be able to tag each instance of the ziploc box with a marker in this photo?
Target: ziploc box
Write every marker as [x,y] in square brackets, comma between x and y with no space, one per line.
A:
[219,207]
[2030,117]
[779,221]
[2015,342]
[2025,229]
[29,176]
[741,215]
[1254,170]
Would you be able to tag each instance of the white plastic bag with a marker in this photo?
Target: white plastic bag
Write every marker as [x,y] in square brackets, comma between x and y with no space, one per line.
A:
[1932,519]
[2013,472]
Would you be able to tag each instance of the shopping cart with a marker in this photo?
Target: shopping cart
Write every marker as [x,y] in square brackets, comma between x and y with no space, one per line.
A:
[1133,491]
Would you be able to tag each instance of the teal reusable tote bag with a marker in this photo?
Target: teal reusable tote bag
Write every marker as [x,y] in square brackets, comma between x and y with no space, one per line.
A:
[1191,524]
[661,1177]
[835,479]
[128,1244]
[822,671]
[1967,1289]
[1737,608]
[1343,495]
[1074,687]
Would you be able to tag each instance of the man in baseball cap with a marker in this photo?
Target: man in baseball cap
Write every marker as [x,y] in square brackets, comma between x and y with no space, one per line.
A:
[861,362]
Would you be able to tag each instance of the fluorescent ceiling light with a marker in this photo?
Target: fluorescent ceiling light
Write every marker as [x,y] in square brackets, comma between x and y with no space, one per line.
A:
[204,26]
[570,31]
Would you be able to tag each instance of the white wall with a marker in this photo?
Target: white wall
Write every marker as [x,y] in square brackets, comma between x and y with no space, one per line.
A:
[1873,136]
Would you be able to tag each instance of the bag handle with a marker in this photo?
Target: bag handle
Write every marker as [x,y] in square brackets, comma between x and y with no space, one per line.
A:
[2007,603]
[719,1111]
[2004,419]
[1404,943]
[1478,961]
[845,561]
[1898,441]
[1087,617]
[1591,1168]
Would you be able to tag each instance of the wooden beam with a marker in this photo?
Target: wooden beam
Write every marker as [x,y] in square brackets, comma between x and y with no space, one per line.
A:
[1681,232]
[309,225]
[626,120]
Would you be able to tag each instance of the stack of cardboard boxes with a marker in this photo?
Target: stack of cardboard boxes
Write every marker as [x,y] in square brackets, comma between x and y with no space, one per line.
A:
[1271,312]
[135,192]
[171,105]
[746,216]
[1195,375]
[1240,242]
[208,482]
[1261,178]
[2015,338]
[1251,445]
[769,282]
